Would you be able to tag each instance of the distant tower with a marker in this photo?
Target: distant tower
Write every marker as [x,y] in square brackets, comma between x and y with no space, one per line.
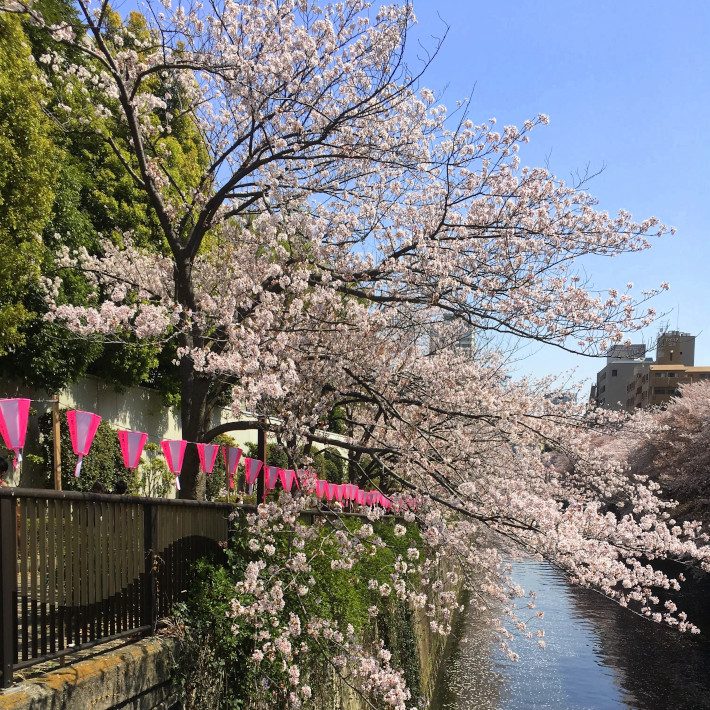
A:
[457,335]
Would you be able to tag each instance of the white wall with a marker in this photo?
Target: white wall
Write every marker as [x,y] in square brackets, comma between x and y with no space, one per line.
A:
[137,408]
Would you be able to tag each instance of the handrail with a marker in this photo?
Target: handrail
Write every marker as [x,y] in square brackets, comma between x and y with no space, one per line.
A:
[48,493]
[51,494]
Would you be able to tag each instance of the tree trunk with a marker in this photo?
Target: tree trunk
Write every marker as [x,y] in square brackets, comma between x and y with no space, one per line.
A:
[196,416]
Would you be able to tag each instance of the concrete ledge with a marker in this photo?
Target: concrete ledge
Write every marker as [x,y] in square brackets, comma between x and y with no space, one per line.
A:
[135,676]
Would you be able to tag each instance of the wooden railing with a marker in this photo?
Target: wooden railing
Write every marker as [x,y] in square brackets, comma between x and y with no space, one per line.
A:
[78,569]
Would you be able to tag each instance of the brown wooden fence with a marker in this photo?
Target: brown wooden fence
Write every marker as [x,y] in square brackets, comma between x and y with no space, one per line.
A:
[77,569]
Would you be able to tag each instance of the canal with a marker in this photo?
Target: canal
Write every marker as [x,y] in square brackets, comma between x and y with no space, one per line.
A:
[597,656]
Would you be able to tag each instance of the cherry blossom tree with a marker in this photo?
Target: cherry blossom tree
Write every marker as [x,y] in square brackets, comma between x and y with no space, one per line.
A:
[671,446]
[343,231]
[333,191]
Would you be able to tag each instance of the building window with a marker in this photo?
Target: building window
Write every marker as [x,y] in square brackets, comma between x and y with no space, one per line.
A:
[614,373]
[603,389]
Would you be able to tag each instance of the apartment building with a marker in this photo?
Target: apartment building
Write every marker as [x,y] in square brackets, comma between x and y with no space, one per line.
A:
[664,381]
[613,380]
[630,380]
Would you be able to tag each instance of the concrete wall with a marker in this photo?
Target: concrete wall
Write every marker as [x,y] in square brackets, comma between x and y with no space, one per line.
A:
[137,408]
[675,348]
[137,676]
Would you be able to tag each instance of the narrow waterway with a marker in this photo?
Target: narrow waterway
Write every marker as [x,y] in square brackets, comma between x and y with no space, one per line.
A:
[597,656]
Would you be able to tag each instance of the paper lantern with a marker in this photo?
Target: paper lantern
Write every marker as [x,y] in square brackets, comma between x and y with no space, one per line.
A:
[271,475]
[231,456]
[208,455]
[351,491]
[288,478]
[251,470]
[330,490]
[340,491]
[321,487]
[13,425]
[132,443]
[82,429]
[174,452]
[360,498]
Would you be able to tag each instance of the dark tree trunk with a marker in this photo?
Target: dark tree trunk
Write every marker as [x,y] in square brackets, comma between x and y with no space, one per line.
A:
[196,416]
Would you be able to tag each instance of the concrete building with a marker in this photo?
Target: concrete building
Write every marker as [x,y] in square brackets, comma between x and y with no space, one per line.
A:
[664,381]
[452,333]
[623,362]
[630,380]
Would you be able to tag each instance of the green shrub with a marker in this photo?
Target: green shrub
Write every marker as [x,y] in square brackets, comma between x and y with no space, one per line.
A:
[154,477]
[102,468]
[214,663]
[328,463]
[216,481]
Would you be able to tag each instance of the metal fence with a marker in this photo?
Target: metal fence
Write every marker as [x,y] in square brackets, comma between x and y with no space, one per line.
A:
[78,569]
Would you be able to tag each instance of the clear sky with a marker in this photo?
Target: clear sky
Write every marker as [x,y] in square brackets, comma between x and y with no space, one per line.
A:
[626,84]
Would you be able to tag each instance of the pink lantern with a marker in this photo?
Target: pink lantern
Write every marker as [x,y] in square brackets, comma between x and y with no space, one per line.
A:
[351,490]
[360,498]
[231,460]
[251,470]
[208,455]
[271,475]
[132,443]
[321,487]
[340,491]
[330,490]
[288,478]
[13,425]
[82,429]
[174,451]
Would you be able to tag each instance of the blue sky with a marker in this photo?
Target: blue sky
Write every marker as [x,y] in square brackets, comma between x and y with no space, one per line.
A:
[627,88]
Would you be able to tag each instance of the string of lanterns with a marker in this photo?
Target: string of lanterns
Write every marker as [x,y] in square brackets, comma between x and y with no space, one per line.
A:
[14,416]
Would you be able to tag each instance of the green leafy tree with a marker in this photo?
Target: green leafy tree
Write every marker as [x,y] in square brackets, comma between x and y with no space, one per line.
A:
[27,171]
[66,187]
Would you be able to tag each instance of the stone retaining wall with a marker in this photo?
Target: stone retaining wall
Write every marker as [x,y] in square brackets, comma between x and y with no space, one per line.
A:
[136,676]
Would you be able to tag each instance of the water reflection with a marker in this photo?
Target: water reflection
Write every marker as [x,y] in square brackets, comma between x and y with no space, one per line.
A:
[598,656]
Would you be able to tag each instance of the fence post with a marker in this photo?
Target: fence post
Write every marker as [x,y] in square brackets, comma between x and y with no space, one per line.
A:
[150,588]
[56,444]
[8,584]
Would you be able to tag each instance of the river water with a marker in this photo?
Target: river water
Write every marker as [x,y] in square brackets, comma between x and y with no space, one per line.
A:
[597,656]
